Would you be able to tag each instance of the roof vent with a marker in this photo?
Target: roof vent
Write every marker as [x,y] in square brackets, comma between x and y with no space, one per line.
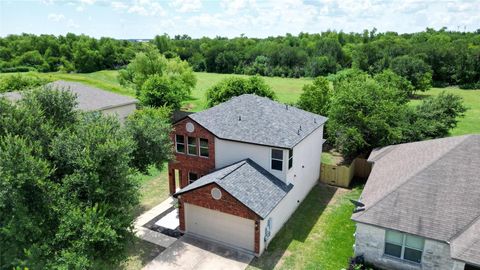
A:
[286,107]
[315,120]
[300,127]
[239,118]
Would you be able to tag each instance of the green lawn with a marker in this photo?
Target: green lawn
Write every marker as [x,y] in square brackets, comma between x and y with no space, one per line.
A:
[319,235]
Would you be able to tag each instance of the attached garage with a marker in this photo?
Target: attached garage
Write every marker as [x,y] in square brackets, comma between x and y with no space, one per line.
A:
[218,226]
[229,204]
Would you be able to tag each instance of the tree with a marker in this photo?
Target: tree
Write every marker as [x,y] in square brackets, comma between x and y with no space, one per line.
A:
[435,117]
[67,195]
[159,81]
[236,86]
[415,70]
[316,97]
[390,79]
[150,127]
[364,115]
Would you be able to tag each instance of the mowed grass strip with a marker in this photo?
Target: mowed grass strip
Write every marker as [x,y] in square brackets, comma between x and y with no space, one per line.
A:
[319,235]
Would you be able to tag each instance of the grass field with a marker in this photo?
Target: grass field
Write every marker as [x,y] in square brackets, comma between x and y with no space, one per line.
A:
[287,89]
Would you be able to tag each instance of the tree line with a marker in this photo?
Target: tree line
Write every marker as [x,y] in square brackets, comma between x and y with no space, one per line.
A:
[437,57]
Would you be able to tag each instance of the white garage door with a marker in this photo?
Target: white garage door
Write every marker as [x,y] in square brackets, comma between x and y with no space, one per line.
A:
[218,226]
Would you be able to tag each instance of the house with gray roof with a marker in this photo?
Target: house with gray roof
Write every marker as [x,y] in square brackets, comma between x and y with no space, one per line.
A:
[91,99]
[420,208]
[242,168]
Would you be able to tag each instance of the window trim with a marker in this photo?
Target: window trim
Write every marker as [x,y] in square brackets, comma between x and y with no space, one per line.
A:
[403,246]
[190,180]
[276,159]
[188,146]
[290,158]
[177,143]
[200,148]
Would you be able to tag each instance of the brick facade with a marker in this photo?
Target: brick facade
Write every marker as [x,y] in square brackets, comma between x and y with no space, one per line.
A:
[227,204]
[186,163]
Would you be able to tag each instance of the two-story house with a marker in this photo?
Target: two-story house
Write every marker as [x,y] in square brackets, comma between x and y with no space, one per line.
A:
[242,168]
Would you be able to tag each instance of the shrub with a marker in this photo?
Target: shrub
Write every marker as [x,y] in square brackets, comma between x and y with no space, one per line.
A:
[236,86]
[17,82]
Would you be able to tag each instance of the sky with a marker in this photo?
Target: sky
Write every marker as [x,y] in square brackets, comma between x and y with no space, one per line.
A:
[143,19]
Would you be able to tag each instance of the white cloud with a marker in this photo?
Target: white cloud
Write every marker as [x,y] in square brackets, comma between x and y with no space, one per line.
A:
[71,24]
[88,2]
[56,17]
[119,5]
[186,5]
[140,7]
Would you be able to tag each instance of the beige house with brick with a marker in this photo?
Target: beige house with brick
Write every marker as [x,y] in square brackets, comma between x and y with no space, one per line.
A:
[242,168]
[420,208]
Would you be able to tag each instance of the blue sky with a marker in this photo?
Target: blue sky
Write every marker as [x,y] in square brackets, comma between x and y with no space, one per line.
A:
[254,18]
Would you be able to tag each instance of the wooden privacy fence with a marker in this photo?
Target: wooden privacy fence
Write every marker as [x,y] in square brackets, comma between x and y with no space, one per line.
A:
[342,175]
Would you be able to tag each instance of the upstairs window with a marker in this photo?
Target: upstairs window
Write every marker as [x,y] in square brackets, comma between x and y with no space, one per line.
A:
[192,146]
[203,147]
[290,158]
[180,143]
[192,177]
[404,246]
[277,159]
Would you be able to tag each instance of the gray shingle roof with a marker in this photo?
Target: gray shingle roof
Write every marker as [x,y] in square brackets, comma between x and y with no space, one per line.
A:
[429,188]
[88,98]
[253,119]
[466,247]
[249,183]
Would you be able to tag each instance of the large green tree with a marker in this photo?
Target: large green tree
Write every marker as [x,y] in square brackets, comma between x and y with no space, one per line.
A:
[67,192]
[367,112]
[159,81]
[236,86]
[316,97]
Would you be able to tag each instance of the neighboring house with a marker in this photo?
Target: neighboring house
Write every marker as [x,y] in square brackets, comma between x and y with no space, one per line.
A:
[422,206]
[243,167]
[92,99]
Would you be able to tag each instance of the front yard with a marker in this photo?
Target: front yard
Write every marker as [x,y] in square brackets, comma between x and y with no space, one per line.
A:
[319,235]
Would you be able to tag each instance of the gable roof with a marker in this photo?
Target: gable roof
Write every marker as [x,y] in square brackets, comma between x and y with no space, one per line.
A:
[88,98]
[429,188]
[249,183]
[259,120]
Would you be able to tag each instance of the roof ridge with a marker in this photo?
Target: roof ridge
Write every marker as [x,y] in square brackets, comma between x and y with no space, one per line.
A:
[238,167]
[464,229]
[411,177]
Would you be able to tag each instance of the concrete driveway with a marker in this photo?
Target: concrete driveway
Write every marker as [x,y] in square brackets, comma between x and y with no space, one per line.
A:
[192,253]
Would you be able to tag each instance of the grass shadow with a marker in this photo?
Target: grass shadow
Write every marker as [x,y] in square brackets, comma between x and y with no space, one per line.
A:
[298,227]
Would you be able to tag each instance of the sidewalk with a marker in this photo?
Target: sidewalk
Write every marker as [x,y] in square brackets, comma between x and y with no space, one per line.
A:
[153,236]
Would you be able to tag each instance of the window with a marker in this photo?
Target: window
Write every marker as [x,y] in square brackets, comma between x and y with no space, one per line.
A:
[404,246]
[290,158]
[192,146]
[180,143]
[203,147]
[192,177]
[277,159]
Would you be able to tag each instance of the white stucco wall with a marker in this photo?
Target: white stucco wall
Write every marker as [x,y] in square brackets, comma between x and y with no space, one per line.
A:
[370,242]
[228,152]
[303,175]
[122,112]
